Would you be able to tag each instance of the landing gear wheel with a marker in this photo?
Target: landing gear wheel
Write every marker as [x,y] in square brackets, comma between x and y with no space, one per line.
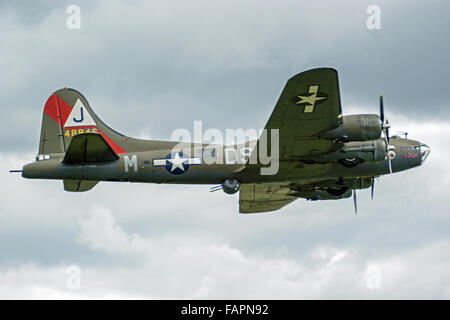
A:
[350,162]
[231,186]
[337,191]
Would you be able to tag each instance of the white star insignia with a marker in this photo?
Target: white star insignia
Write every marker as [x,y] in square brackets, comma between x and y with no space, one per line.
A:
[177,162]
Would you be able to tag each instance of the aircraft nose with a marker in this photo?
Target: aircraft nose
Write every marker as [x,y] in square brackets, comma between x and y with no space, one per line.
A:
[424,152]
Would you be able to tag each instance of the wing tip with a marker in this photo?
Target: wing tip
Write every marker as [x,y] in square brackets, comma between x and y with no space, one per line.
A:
[318,69]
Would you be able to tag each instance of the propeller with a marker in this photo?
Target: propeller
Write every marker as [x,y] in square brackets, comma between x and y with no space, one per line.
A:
[385,127]
[372,187]
[354,201]
[381,109]
[389,163]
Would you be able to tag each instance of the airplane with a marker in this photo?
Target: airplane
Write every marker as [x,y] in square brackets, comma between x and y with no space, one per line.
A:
[320,153]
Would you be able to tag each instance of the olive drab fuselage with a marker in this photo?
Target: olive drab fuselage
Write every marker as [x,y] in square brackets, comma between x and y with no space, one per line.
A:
[311,150]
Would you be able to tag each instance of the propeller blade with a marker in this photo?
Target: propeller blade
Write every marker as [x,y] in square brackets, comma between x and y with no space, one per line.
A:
[381,109]
[372,187]
[387,130]
[390,164]
[385,126]
[354,202]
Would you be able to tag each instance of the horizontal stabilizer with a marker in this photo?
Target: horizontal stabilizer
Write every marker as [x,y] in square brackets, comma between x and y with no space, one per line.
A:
[78,185]
[88,148]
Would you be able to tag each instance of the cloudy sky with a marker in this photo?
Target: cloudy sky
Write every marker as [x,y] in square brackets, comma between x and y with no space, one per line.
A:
[150,67]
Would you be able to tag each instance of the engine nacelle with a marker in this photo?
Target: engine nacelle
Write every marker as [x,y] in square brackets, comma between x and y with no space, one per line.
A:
[356,127]
[374,150]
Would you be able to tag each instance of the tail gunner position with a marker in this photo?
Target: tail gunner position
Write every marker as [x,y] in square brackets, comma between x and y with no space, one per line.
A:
[322,154]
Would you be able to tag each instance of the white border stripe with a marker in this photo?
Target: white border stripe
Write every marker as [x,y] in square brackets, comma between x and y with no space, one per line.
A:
[159,162]
[193,161]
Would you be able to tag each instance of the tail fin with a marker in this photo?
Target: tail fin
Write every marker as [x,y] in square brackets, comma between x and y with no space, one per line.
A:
[67,114]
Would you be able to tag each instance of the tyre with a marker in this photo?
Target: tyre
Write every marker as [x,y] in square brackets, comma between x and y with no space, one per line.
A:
[350,162]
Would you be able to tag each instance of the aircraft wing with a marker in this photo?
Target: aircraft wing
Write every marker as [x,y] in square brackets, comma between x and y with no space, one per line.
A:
[270,196]
[263,197]
[309,104]
[88,148]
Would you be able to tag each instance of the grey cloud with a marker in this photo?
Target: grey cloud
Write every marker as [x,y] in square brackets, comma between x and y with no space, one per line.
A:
[164,66]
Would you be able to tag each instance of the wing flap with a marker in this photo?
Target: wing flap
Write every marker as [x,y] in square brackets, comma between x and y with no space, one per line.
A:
[263,197]
[262,206]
